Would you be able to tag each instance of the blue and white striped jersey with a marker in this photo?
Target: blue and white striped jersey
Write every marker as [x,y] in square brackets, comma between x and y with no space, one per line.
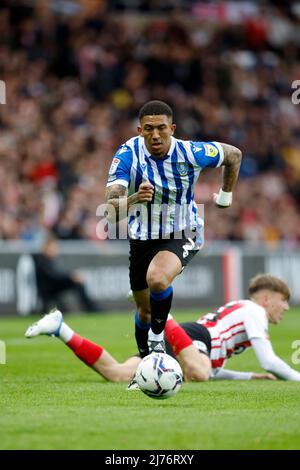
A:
[173,208]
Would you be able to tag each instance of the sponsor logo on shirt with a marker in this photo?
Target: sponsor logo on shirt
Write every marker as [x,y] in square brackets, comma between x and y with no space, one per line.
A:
[114,166]
[210,150]
[123,149]
[196,149]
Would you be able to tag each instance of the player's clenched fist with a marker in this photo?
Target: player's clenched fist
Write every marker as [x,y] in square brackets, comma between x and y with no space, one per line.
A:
[145,192]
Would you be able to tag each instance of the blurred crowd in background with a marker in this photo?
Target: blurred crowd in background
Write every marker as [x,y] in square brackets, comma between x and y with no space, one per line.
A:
[76,74]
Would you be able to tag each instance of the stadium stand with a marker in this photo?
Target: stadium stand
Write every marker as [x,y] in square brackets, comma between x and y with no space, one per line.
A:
[76,74]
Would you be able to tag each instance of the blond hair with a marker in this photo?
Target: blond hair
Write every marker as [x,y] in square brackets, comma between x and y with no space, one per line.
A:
[269,282]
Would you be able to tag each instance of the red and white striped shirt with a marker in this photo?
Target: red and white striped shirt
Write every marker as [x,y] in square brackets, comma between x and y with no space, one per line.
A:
[232,327]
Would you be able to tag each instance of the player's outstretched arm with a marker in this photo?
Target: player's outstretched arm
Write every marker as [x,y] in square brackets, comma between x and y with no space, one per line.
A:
[118,202]
[226,374]
[272,363]
[231,163]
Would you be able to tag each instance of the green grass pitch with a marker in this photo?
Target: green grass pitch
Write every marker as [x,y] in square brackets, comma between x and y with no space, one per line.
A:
[50,400]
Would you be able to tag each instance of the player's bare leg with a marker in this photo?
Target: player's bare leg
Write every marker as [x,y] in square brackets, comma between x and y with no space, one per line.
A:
[90,353]
[164,267]
[195,365]
[112,370]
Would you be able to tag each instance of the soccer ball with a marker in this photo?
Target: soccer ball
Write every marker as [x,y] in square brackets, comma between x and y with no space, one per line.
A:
[159,376]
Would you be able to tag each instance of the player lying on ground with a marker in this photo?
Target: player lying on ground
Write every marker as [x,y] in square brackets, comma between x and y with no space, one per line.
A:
[201,347]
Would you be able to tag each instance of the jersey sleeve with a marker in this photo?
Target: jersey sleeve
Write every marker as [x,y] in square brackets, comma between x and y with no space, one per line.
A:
[226,374]
[272,363]
[207,154]
[255,322]
[120,168]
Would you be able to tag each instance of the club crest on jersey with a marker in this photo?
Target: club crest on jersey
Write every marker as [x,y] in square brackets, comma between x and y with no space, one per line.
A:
[182,168]
[210,150]
[114,166]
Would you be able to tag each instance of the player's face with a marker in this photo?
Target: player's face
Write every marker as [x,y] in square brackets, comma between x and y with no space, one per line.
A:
[277,306]
[157,132]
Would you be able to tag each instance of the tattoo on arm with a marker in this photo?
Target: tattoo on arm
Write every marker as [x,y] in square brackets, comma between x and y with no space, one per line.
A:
[115,192]
[232,162]
[116,199]
[118,202]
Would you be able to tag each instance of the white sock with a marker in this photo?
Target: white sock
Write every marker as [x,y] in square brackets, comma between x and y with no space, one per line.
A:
[65,332]
[153,337]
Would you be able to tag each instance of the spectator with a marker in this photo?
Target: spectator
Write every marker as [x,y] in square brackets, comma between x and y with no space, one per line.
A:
[53,280]
[76,80]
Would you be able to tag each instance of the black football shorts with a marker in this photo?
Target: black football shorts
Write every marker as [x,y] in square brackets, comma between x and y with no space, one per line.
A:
[143,251]
[198,334]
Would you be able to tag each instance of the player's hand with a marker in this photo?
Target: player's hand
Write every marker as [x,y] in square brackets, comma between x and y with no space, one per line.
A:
[222,199]
[145,192]
[263,377]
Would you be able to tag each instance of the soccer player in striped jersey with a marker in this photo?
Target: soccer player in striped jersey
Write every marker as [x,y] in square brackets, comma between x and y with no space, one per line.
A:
[152,179]
[202,347]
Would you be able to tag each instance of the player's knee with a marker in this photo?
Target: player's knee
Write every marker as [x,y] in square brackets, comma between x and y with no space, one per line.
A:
[157,282]
[196,374]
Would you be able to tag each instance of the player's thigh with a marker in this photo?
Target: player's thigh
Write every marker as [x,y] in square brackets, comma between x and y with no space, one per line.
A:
[164,267]
[142,300]
[195,365]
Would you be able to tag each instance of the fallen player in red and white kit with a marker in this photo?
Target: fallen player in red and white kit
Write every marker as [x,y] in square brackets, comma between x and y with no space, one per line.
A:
[201,347]
[230,330]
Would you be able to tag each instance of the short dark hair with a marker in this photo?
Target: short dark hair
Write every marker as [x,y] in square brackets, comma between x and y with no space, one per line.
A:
[269,282]
[155,108]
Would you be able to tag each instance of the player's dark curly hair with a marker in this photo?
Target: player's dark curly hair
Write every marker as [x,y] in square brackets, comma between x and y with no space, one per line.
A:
[269,282]
[155,108]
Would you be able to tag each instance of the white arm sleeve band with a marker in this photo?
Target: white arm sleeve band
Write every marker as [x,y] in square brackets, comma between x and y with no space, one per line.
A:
[272,363]
[224,198]
[225,374]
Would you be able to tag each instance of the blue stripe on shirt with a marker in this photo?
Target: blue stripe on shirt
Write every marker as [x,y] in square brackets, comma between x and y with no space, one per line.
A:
[149,204]
[165,194]
[191,174]
[179,190]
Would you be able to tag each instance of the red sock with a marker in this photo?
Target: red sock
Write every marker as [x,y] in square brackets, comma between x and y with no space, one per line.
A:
[87,351]
[176,336]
